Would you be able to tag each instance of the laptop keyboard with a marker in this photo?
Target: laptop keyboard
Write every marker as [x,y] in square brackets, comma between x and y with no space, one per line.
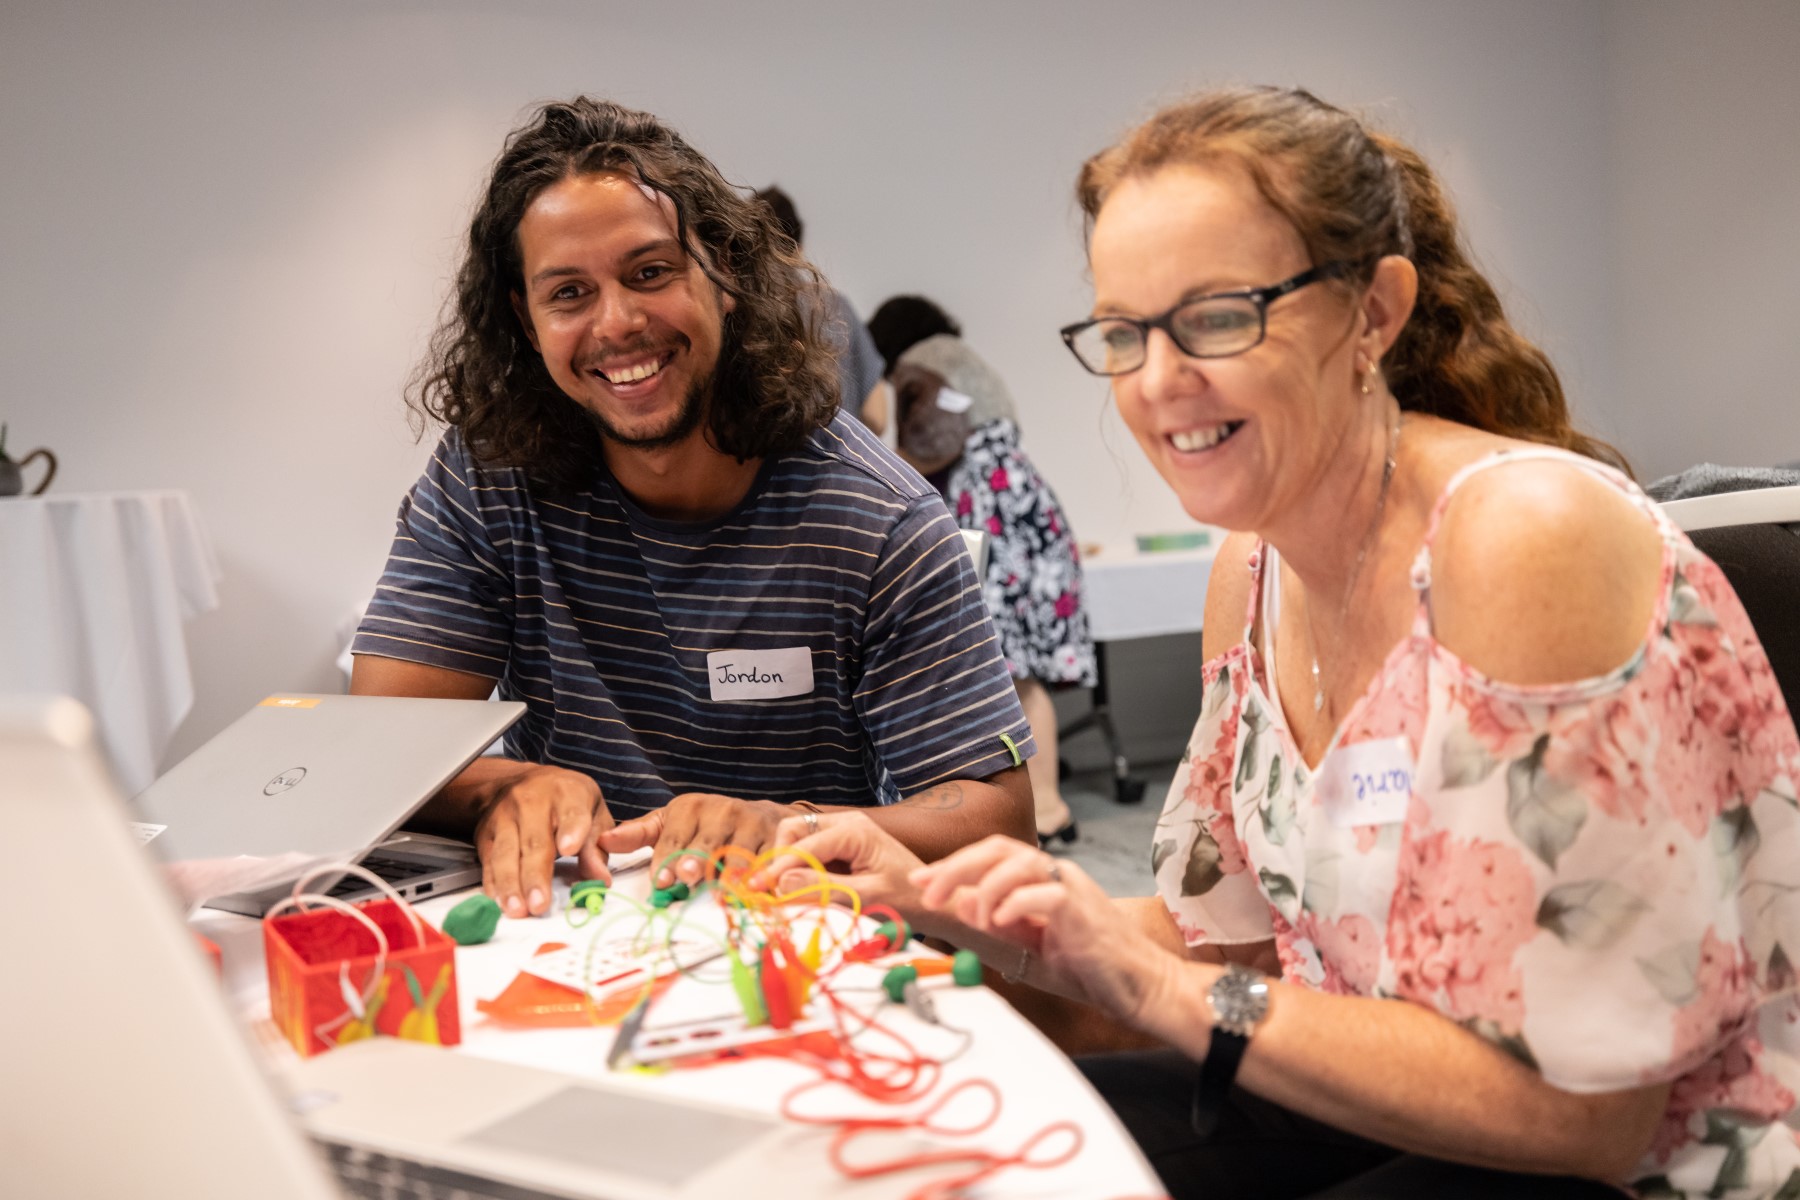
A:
[394,870]
[369,1175]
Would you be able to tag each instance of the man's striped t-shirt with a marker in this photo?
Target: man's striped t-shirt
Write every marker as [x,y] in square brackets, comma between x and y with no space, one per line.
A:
[601,619]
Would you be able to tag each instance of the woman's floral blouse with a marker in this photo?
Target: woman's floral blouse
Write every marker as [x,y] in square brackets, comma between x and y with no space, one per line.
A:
[1601,877]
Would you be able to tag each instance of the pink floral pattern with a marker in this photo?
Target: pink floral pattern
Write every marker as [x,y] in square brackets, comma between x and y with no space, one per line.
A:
[1349,951]
[1461,910]
[1601,877]
[1724,982]
[1730,1080]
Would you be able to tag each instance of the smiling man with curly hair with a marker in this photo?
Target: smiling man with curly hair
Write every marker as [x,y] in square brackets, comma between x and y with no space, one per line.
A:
[722,602]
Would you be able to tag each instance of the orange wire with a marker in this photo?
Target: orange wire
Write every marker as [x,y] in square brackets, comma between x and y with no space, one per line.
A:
[901,1077]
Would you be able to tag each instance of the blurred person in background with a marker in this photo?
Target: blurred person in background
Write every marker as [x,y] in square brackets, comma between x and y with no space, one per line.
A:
[859,368]
[957,426]
[902,322]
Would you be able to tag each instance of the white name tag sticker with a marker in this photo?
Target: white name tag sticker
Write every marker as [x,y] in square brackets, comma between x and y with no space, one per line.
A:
[759,674]
[1370,783]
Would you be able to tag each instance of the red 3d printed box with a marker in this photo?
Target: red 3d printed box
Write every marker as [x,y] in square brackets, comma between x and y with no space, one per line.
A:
[330,982]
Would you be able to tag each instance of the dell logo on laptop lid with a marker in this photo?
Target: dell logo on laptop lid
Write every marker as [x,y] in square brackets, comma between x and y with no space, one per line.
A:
[286,781]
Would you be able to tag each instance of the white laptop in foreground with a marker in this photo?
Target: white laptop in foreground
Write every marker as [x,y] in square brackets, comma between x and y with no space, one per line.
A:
[126,1075]
[303,779]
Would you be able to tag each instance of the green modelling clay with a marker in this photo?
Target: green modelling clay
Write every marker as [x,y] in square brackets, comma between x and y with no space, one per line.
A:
[661,897]
[583,886]
[965,968]
[896,979]
[679,890]
[473,921]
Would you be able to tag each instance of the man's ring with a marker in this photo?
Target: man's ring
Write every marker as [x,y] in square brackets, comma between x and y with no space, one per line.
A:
[812,823]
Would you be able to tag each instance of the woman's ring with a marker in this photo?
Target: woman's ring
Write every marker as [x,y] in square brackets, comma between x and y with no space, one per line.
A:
[1055,871]
[812,823]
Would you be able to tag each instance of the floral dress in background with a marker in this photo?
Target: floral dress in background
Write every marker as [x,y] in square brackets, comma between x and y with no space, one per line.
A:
[1601,877]
[1033,583]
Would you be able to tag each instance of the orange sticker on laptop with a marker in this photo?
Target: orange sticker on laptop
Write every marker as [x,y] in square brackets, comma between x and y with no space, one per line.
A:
[290,702]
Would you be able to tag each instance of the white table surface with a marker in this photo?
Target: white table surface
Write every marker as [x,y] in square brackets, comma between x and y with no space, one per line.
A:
[1130,594]
[1038,1084]
[94,589]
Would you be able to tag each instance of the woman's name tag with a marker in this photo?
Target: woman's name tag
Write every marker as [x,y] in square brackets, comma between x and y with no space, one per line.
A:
[759,674]
[1369,783]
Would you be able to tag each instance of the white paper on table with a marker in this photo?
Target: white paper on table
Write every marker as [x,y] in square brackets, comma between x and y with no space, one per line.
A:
[700,1010]
[200,880]
[620,863]
[613,965]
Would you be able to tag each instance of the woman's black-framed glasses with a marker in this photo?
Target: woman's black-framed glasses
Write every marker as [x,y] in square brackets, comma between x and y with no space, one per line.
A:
[1215,326]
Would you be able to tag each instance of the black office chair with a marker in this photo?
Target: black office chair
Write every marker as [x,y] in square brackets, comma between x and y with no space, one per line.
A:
[1754,536]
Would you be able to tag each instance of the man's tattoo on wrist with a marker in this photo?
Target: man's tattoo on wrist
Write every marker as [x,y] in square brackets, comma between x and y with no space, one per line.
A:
[943,796]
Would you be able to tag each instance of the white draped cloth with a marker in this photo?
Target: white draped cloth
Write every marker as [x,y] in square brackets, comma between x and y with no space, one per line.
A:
[93,592]
[1131,594]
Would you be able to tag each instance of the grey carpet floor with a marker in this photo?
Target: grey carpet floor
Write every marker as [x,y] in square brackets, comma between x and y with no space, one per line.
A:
[1114,841]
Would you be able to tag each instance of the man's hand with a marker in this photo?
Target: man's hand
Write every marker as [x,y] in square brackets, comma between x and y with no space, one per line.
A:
[696,821]
[535,814]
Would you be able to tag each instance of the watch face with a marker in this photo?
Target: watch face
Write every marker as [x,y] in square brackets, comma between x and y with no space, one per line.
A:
[1240,999]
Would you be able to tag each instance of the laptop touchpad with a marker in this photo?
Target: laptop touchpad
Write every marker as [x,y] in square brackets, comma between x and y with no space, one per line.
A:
[627,1134]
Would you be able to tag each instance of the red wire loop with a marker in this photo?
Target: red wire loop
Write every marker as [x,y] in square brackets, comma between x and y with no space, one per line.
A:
[983,1164]
[902,1076]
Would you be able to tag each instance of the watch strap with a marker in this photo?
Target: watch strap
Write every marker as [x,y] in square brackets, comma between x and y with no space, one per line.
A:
[1213,1084]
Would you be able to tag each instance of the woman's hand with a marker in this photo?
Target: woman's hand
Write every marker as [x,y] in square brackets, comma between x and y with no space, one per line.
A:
[1089,950]
[859,853]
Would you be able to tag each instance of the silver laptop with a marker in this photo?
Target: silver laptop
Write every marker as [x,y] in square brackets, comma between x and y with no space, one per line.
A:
[303,779]
[127,1076]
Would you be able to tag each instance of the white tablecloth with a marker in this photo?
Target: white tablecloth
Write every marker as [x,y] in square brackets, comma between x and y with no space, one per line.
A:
[93,592]
[1130,594]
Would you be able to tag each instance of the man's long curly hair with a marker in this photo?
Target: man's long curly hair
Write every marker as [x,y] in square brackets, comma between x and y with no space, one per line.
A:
[776,378]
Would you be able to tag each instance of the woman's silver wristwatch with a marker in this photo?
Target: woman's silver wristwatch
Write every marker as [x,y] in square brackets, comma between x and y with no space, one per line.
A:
[1238,1001]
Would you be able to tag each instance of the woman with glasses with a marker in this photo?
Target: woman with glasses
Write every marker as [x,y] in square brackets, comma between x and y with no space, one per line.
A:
[1481,876]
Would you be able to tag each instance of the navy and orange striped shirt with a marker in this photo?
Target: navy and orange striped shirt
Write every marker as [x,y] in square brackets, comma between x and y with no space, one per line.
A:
[601,619]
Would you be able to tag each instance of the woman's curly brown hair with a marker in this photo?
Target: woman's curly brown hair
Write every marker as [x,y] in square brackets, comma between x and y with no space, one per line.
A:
[776,379]
[1355,196]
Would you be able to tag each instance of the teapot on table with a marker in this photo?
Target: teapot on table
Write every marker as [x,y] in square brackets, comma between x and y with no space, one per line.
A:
[12,474]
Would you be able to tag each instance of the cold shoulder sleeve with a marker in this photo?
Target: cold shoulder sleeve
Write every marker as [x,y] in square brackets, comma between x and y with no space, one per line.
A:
[1201,872]
[1648,820]
[1604,879]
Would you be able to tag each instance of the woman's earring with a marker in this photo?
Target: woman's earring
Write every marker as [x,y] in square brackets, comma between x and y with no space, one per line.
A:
[1368,378]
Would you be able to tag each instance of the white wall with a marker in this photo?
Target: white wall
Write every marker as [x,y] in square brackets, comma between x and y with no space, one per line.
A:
[1705,132]
[229,225]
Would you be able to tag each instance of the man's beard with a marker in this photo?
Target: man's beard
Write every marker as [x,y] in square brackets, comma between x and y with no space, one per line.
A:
[684,422]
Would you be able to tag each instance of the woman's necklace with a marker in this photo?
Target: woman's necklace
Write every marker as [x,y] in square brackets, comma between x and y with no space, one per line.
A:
[1362,552]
